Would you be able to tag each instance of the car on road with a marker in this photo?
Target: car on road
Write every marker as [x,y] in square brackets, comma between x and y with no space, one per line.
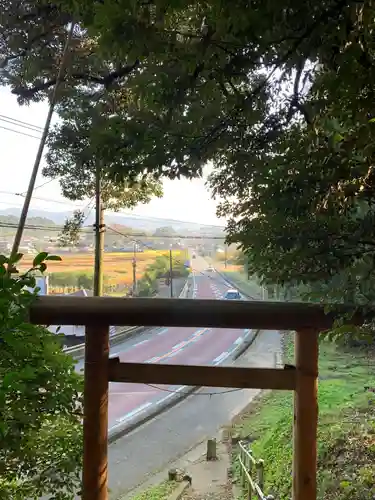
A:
[232,294]
[210,269]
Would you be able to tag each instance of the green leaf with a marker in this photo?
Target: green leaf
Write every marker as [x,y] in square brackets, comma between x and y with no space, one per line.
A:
[337,137]
[39,258]
[4,259]
[54,257]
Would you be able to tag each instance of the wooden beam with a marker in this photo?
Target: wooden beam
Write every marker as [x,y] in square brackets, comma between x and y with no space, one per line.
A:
[205,376]
[95,421]
[305,415]
[50,310]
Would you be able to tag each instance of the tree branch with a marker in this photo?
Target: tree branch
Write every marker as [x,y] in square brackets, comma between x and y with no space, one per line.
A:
[106,81]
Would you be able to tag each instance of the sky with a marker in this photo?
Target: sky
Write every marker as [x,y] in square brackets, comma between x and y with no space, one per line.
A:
[186,200]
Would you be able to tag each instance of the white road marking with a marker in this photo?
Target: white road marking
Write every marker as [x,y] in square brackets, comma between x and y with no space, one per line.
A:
[163,400]
[175,353]
[153,360]
[238,341]
[141,342]
[177,346]
[164,330]
[131,414]
[222,356]
[220,359]
[225,355]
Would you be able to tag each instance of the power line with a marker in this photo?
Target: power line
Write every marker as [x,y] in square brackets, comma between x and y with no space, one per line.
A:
[130,214]
[21,123]
[14,123]
[37,187]
[125,214]
[47,200]
[132,236]
[19,132]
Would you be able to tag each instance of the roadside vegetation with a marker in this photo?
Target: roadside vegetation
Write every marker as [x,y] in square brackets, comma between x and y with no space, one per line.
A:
[40,406]
[75,271]
[346,452]
[235,272]
[158,492]
[148,285]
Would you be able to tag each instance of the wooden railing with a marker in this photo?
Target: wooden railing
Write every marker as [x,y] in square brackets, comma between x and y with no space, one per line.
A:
[97,313]
[251,474]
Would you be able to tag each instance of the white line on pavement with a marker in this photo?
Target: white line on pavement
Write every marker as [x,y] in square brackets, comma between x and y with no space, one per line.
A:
[131,414]
[222,356]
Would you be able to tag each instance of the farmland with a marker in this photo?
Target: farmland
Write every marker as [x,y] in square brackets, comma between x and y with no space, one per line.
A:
[117,267]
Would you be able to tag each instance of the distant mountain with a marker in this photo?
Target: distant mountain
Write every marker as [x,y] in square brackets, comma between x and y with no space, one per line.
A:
[36,221]
[145,224]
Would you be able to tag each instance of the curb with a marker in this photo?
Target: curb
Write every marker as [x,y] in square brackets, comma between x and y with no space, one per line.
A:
[242,348]
[175,397]
[179,491]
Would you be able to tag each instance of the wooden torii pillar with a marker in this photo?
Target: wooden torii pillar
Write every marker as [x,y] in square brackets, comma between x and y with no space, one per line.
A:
[98,373]
[100,312]
[305,415]
[95,419]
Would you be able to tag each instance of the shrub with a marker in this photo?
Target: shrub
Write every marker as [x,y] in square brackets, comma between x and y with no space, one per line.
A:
[40,407]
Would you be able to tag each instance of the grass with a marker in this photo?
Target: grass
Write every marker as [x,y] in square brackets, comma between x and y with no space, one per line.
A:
[158,492]
[237,276]
[117,266]
[239,279]
[346,434]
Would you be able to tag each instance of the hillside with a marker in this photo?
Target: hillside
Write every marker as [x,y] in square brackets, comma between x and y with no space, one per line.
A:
[34,221]
[148,225]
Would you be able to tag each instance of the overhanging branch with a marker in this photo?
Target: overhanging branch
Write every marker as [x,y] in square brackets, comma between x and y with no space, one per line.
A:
[106,81]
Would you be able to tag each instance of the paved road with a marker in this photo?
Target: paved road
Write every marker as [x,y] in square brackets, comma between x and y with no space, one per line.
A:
[151,447]
[139,453]
[205,346]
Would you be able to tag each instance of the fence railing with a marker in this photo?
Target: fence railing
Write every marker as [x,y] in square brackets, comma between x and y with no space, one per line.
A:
[251,474]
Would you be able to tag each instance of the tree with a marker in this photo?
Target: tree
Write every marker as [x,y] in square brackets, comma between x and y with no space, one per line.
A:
[70,234]
[279,100]
[85,280]
[40,431]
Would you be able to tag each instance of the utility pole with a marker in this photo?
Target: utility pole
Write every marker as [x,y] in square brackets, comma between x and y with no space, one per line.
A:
[34,172]
[134,269]
[171,272]
[99,236]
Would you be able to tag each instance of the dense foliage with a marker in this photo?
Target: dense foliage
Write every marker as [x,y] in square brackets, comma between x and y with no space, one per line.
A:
[148,285]
[40,428]
[278,96]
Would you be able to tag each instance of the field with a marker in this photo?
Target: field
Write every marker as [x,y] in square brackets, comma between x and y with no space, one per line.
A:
[117,267]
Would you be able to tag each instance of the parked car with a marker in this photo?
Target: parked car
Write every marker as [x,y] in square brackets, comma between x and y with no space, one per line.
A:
[232,294]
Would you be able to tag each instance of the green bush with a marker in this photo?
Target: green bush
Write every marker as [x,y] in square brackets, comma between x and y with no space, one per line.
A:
[40,406]
[346,456]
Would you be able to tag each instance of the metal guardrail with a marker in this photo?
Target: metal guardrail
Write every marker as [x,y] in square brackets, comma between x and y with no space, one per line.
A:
[75,348]
[78,349]
[251,474]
